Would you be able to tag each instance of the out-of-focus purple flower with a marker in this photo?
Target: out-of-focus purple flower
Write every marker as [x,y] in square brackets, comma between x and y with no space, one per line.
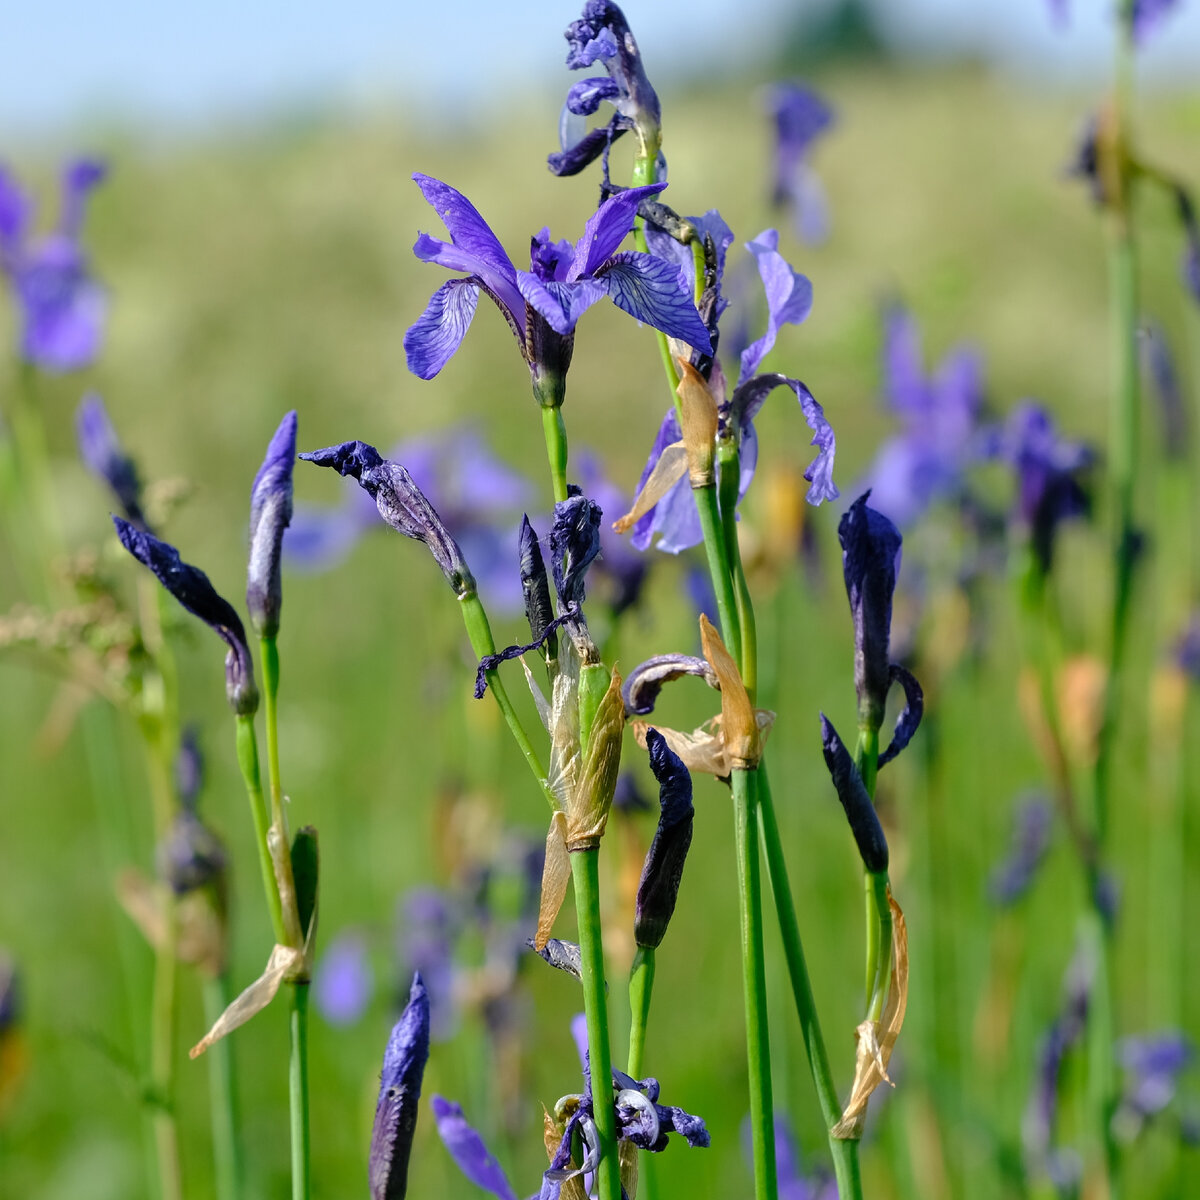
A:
[62,307]
[1187,649]
[800,117]
[938,413]
[543,304]
[399,1098]
[467,1149]
[658,887]
[1145,16]
[1012,877]
[10,1007]
[1047,470]
[1152,1065]
[342,980]
[102,453]
[190,856]
[191,587]
[428,929]
[270,515]
[603,35]
[789,299]
[1158,364]
[189,768]
[628,797]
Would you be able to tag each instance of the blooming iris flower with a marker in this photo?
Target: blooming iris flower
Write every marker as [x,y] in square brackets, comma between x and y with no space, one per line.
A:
[543,305]
[602,35]
[789,299]
[62,307]
[938,412]
[800,117]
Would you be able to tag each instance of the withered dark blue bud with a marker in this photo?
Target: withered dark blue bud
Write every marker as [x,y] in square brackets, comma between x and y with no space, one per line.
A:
[910,715]
[658,887]
[860,812]
[270,515]
[401,504]
[191,587]
[535,587]
[191,856]
[870,563]
[574,544]
[646,680]
[564,956]
[399,1096]
[102,452]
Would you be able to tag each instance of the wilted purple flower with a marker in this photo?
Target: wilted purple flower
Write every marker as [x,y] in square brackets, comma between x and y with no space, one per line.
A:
[535,588]
[603,35]
[1152,1064]
[662,871]
[342,980]
[191,587]
[800,117]
[270,515]
[938,413]
[789,298]
[643,684]
[543,304]
[399,1095]
[189,767]
[467,1149]
[102,453]
[851,791]
[1047,470]
[871,548]
[62,307]
[401,504]
[1011,878]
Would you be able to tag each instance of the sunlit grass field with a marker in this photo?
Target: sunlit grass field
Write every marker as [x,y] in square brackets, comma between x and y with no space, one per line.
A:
[272,269]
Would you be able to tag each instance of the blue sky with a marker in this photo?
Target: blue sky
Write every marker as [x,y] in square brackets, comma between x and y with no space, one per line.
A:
[172,64]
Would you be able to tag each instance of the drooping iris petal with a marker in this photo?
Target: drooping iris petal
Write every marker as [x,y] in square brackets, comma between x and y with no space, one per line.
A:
[584,97]
[467,1149]
[789,298]
[430,342]
[102,452]
[607,228]
[647,679]
[910,715]
[399,1098]
[192,588]
[656,293]
[270,515]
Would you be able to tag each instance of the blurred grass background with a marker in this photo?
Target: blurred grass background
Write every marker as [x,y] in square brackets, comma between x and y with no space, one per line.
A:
[272,270]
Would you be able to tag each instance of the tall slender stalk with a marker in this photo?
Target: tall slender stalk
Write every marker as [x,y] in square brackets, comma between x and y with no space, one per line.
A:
[227,1145]
[555,431]
[641,988]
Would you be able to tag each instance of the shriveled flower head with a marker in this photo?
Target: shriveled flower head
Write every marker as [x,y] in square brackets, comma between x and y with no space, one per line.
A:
[662,871]
[401,504]
[800,117]
[104,457]
[542,305]
[191,587]
[270,515]
[602,35]
[399,1098]
[62,307]
[870,565]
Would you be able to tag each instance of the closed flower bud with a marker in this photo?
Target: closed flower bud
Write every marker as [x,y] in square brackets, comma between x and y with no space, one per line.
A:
[191,587]
[270,515]
[399,1095]
[535,587]
[658,887]
[860,812]
[401,504]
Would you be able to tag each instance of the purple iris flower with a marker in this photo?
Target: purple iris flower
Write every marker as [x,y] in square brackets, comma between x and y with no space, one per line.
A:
[1012,877]
[1152,1064]
[789,299]
[925,461]
[543,304]
[1047,470]
[800,117]
[602,35]
[62,306]
[102,453]
[1145,16]
[342,980]
[467,1149]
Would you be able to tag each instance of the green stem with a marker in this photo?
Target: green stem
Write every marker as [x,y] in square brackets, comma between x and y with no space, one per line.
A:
[227,1147]
[585,874]
[247,755]
[479,631]
[719,568]
[298,1089]
[555,431]
[754,983]
[729,466]
[878,912]
[641,987]
[164,1012]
